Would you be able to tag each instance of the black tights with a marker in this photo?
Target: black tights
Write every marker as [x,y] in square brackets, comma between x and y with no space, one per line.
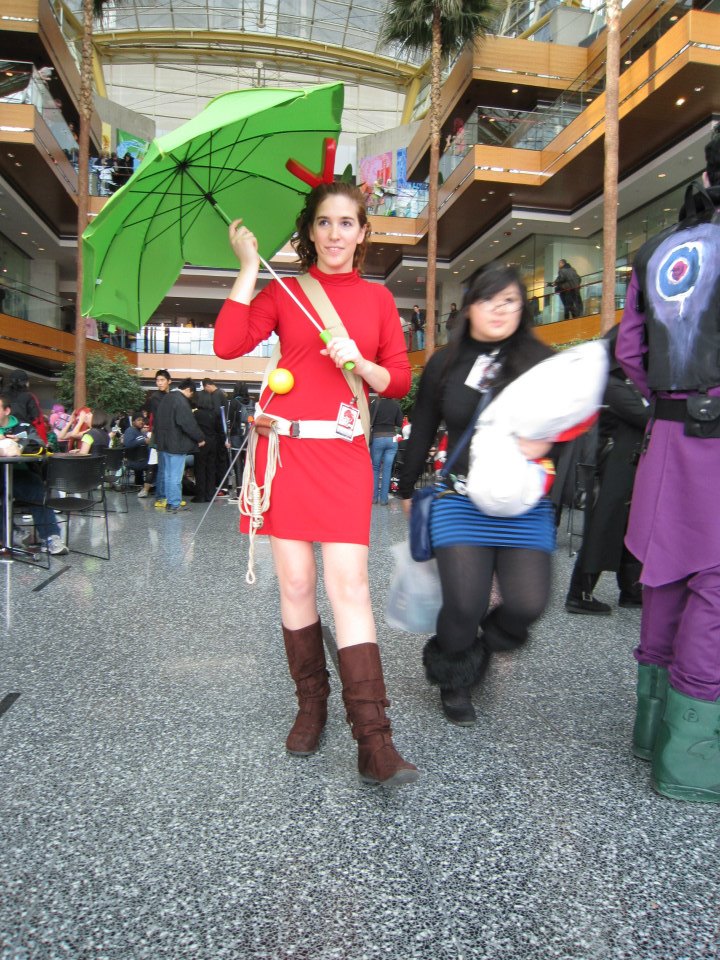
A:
[466,577]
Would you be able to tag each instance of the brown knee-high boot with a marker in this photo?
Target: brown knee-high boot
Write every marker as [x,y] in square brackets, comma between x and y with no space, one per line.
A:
[365,701]
[306,659]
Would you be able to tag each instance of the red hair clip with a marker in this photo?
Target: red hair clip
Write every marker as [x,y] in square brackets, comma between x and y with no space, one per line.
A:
[328,166]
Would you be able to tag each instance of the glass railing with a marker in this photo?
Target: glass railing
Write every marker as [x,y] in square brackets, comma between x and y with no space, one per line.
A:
[25,302]
[405,200]
[21,82]
[535,129]
[196,341]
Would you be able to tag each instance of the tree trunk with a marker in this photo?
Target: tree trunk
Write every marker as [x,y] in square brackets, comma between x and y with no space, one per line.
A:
[86,103]
[430,282]
[612,147]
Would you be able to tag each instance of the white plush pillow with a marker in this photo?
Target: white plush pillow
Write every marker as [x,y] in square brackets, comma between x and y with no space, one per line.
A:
[542,404]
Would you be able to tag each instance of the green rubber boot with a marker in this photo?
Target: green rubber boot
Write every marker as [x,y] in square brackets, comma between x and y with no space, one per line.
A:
[686,759]
[652,683]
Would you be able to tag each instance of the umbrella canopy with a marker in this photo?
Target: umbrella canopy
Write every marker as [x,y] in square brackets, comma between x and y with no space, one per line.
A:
[228,162]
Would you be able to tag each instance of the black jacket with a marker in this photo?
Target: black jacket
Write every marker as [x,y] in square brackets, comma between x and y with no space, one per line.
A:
[175,429]
[386,417]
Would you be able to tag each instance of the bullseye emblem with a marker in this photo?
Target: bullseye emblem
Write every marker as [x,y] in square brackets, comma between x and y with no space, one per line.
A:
[679,271]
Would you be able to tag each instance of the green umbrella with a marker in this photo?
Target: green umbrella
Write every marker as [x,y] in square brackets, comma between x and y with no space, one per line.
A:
[228,162]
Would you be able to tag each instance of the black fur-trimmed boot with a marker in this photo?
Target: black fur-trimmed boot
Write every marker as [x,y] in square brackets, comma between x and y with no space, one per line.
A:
[456,674]
[498,639]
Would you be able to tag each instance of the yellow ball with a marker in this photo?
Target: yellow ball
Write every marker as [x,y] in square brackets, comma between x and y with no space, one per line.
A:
[281,380]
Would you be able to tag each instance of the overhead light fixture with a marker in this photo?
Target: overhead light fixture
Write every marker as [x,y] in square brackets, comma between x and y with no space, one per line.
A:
[514,90]
[576,228]
[698,89]
[661,176]
[23,233]
[680,101]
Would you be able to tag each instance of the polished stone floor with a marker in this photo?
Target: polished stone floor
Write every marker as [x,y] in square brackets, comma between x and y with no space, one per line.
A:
[148,809]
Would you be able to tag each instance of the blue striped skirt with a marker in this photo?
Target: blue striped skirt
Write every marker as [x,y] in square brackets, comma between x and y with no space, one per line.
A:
[456,520]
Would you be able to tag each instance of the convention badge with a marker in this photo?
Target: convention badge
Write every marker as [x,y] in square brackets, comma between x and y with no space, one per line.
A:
[483,371]
[346,420]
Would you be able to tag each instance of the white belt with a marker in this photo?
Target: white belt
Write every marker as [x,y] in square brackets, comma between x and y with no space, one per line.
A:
[310,429]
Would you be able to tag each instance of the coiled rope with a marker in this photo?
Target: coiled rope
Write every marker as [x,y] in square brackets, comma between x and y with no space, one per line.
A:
[255,497]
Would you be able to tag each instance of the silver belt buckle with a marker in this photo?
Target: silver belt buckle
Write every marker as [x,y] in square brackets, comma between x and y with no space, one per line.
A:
[294,429]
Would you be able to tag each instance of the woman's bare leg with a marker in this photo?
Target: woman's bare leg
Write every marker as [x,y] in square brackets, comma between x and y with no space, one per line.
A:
[345,571]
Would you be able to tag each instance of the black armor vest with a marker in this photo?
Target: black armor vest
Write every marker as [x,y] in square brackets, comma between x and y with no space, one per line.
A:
[679,276]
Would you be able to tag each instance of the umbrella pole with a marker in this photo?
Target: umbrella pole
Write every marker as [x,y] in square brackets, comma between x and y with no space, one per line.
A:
[289,292]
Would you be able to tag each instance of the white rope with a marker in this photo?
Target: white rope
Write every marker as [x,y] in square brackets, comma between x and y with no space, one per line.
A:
[254,497]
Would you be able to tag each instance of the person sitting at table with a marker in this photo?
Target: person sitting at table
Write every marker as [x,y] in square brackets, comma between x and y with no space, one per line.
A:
[28,486]
[135,441]
[95,441]
[70,435]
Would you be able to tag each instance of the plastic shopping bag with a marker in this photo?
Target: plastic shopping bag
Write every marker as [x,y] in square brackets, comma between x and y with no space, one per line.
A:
[415,597]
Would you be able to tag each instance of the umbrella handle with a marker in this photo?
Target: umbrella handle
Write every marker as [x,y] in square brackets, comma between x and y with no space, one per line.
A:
[326,337]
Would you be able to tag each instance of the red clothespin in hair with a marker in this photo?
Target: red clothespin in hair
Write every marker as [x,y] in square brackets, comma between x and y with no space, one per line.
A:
[315,179]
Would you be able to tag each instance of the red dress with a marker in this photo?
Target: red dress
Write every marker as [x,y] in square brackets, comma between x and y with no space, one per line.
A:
[322,490]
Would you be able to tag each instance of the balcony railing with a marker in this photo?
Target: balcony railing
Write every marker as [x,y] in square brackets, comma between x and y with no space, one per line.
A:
[192,341]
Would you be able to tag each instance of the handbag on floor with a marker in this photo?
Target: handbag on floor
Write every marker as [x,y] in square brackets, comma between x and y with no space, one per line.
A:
[422,500]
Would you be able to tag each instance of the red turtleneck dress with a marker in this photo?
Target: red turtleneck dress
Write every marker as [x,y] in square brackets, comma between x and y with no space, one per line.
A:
[322,489]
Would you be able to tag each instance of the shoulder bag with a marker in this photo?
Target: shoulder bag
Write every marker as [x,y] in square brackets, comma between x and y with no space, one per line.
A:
[422,500]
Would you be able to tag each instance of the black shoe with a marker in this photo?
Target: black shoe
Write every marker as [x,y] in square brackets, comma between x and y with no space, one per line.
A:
[181,509]
[630,599]
[457,706]
[587,604]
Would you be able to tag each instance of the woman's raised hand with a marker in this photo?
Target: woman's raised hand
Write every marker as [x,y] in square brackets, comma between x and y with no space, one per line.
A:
[244,244]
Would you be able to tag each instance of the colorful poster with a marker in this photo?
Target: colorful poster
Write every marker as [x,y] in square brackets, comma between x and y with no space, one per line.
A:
[106,139]
[129,143]
[377,169]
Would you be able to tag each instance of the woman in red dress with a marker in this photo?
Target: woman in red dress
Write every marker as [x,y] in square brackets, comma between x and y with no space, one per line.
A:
[322,490]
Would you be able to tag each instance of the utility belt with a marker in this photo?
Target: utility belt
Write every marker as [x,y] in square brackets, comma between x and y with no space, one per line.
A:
[302,429]
[700,414]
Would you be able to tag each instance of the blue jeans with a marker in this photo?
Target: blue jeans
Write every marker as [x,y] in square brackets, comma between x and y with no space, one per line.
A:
[160,479]
[28,486]
[173,467]
[383,451]
[419,339]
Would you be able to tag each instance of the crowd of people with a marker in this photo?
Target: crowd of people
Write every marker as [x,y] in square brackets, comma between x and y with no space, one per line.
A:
[179,444]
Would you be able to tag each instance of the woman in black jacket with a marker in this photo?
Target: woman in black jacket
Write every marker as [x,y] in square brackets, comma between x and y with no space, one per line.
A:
[491,346]
[621,429]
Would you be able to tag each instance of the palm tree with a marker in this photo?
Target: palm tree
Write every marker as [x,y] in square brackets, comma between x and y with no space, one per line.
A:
[440,28]
[91,11]
[612,150]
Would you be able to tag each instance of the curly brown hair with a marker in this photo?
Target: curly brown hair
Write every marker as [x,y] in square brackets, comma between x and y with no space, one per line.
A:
[301,242]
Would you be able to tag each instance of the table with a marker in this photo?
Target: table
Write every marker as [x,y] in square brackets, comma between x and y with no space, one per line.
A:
[7,464]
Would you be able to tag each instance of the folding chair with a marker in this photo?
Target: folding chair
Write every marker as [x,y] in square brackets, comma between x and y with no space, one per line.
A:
[114,467]
[82,480]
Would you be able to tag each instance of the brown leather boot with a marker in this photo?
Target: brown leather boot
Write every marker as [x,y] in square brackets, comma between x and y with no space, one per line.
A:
[306,659]
[365,701]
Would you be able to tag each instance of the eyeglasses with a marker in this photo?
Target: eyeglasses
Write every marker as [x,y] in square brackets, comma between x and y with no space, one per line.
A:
[506,305]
